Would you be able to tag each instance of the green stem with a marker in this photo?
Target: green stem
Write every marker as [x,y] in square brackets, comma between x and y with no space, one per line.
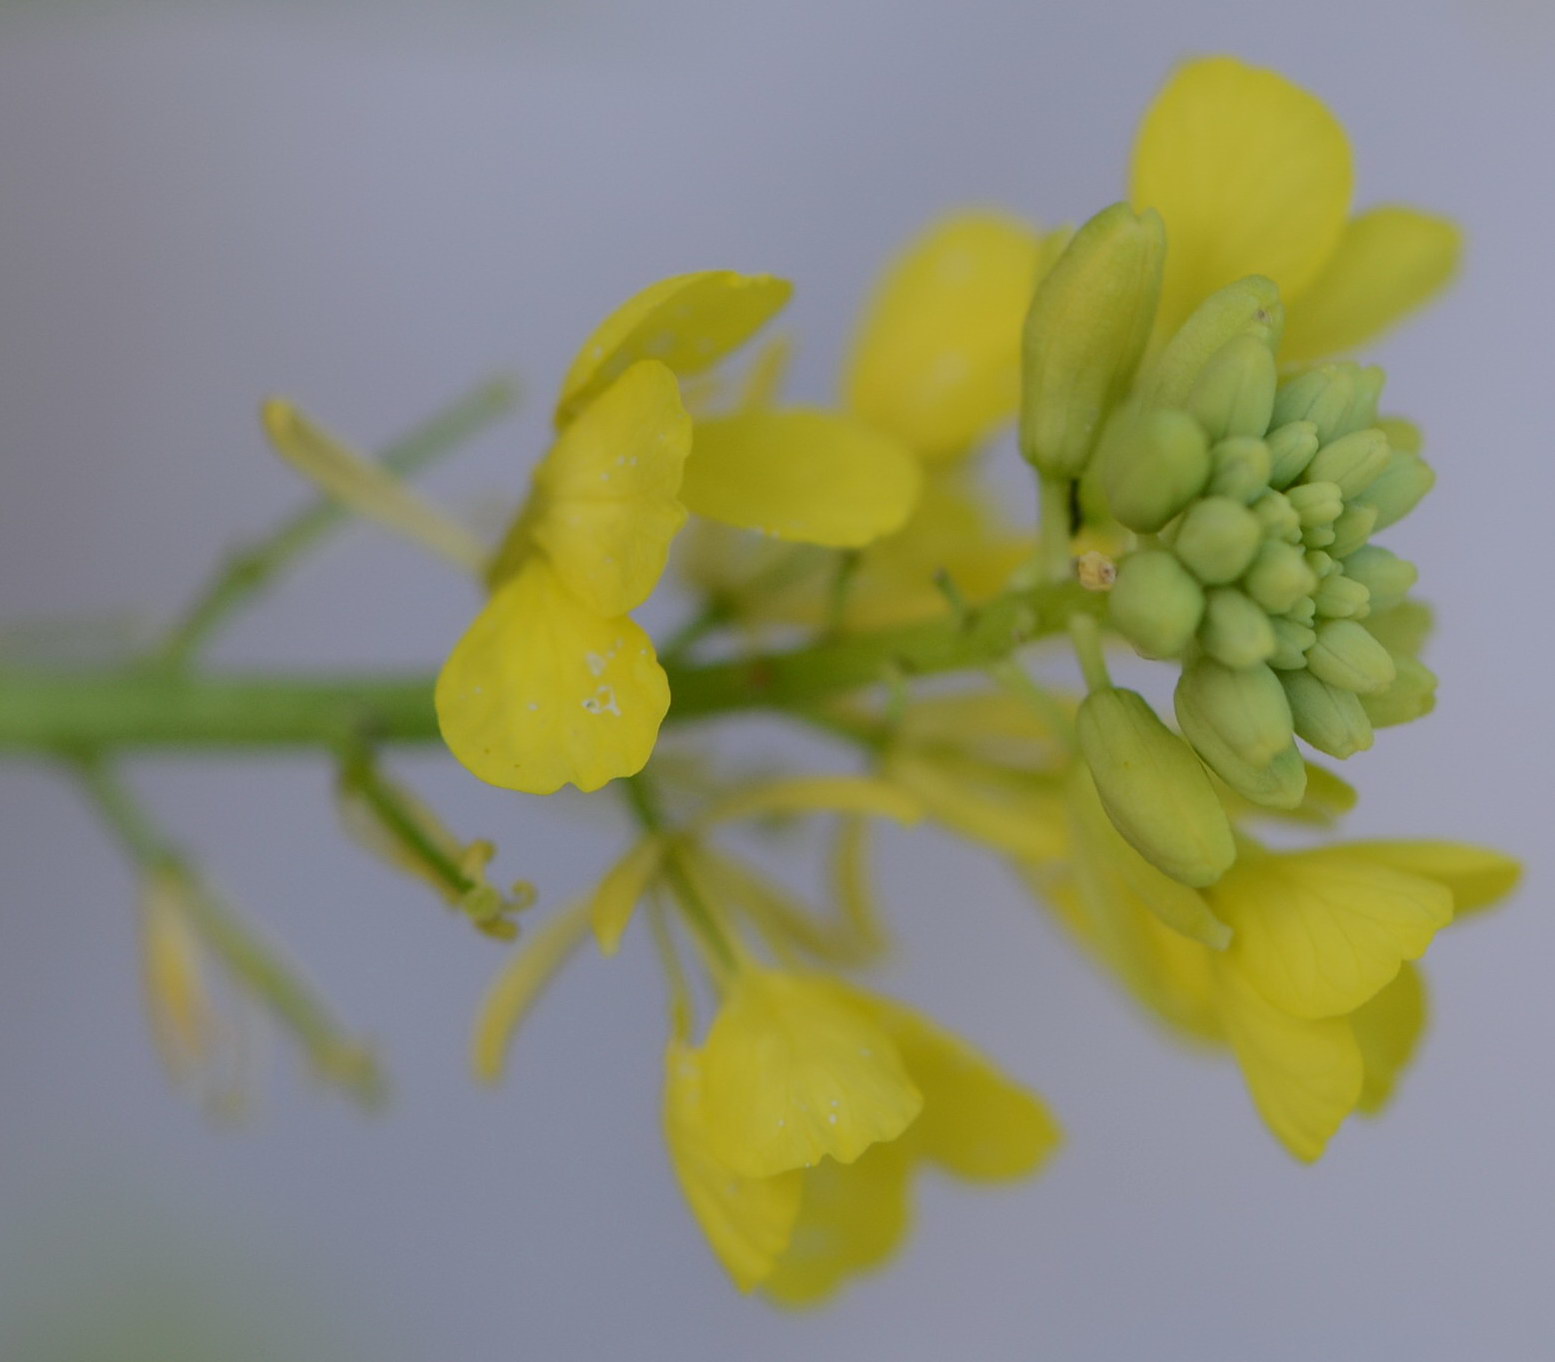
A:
[1054,528]
[52,712]
[250,570]
[1086,635]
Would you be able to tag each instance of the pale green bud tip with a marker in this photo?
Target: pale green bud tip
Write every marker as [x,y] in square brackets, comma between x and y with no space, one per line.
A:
[1249,306]
[1236,631]
[1235,393]
[1239,723]
[1347,656]
[1155,603]
[1152,464]
[1154,788]
[1085,332]
[1329,718]
[1218,539]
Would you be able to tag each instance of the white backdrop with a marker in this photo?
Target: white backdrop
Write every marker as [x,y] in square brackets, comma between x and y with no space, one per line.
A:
[369,209]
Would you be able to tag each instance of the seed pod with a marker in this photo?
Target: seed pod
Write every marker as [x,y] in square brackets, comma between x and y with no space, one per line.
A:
[1291,641]
[1323,396]
[1331,719]
[1291,448]
[1152,464]
[1239,469]
[1341,597]
[1251,305]
[1411,696]
[1155,603]
[1153,788]
[1234,394]
[1352,463]
[1086,330]
[1352,529]
[1384,574]
[1235,630]
[1398,490]
[1279,577]
[1345,655]
[1217,539]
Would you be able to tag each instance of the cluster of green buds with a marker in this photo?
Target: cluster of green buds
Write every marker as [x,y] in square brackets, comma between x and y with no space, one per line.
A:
[1247,500]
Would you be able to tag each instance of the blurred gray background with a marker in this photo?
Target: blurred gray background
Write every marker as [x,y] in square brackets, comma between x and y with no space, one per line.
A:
[370,208]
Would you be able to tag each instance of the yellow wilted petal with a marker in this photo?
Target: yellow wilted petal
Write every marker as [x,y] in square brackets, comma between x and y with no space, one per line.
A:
[542,691]
[1320,932]
[519,986]
[815,794]
[607,507]
[689,322]
[748,1221]
[853,886]
[1304,1076]
[791,1076]
[1389,261]
[936,361]
[801,474]
[852,1217]
[1252,174]
[367,488]
[1477,876]
[183,1022]
[976,1122]
[610,910]
[1388,1029]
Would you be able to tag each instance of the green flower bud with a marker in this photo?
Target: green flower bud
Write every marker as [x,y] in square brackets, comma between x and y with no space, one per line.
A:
[1304,611]
[1402,629]
[1245,707]
[1322,564]
[1250,305]
[1329,718]
[1155,603]
[1235,630]
[1403,482]
[1402,434]
[1152,464]
[1411,696]
[1369,383]
[1153,788]
[1341,597]
[1280,784]
[1316,503]
[1217,539]
[1352,463]
[1239,468]
[1291,641]
[1235,393]
[1291,448]
[1384,574]
[1279,577]
[1278,517]
[1352,529]
[1324,396]
[1084,335]
[1318,536]
[1347,656]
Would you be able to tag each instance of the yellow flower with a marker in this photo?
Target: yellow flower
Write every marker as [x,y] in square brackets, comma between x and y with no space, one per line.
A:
[796,1125]
[1254,175]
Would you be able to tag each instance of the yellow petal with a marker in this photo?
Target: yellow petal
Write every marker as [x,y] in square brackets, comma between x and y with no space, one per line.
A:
[542,691]
[815,794]
[852,1217]
[689,322]
[1304,1076]
[1006,810]
[976,1122]
[792,1075]
[1252,175]
[853,886]
[516,990]
[1388,1029]
[936,361]
[1477,876]
[610,910]
[183,1022]
[801,474]
[607,507]
[1320,932]
[748,1221]
[1389,261]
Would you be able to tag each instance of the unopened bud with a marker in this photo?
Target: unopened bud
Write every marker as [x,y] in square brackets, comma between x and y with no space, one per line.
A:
[1369,383]
[1341,597]
[1152,464]
[1411,696]
[1250,305]
[1278,517]
[1218,539]
[1154,788]
[1352,529]
[1235,393]
[1239,468]
[1398,490]
[1316,503]
[1239,723]
[1345,655]
[1084,335]
[1352,463]
[1155,603]
[1235,630]
[1329,718]
[1324,396]
[1279,577]
[1291,448]
[1384,574]
[1291,641]
[1304,611]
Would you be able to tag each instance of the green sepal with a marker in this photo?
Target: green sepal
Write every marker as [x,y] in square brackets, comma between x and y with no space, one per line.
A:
[1346,655]
[1217,539]
[1385,575]
[1330,719]
[1239,468]
[1234,395]
[1155,603]
[1251,305]
[1279,577]
[1411,696]
[1151,465]
[1291,448]
[1352,463]
[1235,631]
